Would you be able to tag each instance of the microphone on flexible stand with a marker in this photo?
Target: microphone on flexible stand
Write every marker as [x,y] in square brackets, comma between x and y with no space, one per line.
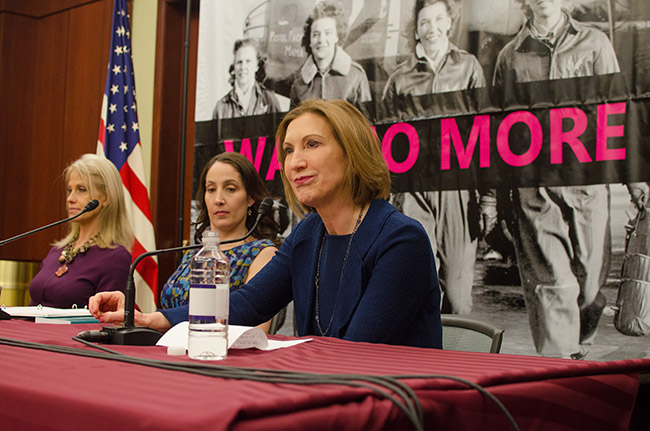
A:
[132,335]
[90,206]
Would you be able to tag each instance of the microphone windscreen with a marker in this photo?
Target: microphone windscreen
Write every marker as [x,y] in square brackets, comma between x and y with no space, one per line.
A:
[91,205]
[265,207]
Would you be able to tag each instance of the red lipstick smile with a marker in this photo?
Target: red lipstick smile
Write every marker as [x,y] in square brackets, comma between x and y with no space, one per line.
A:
[302,180]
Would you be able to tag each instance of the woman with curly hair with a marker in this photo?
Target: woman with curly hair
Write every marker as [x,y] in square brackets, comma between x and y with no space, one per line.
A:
[329,72]
[248,95]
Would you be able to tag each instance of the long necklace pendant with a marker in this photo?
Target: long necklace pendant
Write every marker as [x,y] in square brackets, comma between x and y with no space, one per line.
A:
[62,270]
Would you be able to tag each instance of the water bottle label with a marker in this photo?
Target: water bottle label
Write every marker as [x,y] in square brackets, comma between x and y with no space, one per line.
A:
[209,301]
[222,301]
[203,300]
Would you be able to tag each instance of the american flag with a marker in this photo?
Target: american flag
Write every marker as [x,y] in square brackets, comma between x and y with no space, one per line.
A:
[119,141]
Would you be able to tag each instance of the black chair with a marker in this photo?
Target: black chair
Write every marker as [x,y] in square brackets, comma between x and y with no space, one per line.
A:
[470,335]
[277,321]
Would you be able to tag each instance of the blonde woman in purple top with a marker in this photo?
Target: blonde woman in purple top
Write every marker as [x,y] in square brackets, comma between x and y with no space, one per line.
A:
[94,255]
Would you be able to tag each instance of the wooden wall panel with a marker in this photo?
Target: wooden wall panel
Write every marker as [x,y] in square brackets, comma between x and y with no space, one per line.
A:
[53,68]
[86,66]
[41,8]
[53,57]
[165,164]
[45,148]
[3,114]
[22,208]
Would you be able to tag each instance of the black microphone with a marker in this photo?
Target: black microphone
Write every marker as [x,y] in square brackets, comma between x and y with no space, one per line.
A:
[90,206]
[263,210]
[132,335]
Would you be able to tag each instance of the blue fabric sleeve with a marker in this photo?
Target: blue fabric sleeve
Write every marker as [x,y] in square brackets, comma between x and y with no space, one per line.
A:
[176,315]
[267,292]
[259,300]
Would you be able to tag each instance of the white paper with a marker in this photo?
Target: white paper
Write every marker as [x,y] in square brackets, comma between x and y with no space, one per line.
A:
[239,337]
[39,311]
[52,321]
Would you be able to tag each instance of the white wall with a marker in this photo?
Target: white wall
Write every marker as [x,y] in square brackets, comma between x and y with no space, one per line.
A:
[143,46]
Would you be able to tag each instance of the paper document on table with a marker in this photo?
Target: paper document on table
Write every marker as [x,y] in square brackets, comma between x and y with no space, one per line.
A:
[39,311]
[239,337]
[66,319]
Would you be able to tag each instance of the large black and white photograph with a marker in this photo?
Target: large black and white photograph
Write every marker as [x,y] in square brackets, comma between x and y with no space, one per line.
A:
[514,132]
[334,214]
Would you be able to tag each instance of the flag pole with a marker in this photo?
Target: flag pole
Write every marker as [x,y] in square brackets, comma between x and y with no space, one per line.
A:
[186,62]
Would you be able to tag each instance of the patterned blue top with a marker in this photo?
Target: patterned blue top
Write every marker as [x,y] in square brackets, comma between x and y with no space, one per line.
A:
[176,291]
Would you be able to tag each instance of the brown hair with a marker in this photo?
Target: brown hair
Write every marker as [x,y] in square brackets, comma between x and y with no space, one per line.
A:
[325,9]
[453,10]
[255,188]
[366,174]
[260,75]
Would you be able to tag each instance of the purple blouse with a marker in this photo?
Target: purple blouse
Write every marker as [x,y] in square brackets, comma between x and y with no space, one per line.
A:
[99,270]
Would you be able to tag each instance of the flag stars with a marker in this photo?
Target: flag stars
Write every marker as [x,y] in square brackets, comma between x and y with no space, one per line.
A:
[119,110]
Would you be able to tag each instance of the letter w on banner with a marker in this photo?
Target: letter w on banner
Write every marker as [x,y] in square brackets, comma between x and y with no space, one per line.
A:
[119,141]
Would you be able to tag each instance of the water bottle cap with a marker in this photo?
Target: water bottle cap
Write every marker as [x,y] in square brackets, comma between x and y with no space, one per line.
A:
[210,237]
[176,350]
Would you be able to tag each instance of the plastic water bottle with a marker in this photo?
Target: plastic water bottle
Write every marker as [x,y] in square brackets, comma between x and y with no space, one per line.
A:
[209,301]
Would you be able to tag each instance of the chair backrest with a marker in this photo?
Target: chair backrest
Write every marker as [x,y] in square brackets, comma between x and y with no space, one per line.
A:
[277,321]
[470,335]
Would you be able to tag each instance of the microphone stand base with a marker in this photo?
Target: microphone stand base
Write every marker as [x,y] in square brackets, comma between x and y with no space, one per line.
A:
[133,336]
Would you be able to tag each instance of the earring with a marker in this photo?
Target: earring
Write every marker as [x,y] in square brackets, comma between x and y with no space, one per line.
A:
[250,211]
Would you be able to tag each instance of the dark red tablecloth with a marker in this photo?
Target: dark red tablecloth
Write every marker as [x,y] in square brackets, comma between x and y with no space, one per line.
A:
[53,391]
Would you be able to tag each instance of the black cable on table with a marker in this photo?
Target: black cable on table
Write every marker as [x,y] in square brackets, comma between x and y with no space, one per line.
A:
[408,401]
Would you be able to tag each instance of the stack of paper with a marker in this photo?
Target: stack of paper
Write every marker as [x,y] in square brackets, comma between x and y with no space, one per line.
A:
[42,314]
[239,337]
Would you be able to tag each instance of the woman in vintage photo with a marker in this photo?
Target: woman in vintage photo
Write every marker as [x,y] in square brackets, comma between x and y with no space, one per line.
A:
[438,66]
[329,72]
[248,95]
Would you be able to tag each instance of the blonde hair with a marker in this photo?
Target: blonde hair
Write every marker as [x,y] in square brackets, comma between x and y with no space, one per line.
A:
[103,181]
[366,173]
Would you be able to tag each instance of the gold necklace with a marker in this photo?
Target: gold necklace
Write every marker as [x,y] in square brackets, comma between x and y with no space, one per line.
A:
[345,259]
[69,253]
